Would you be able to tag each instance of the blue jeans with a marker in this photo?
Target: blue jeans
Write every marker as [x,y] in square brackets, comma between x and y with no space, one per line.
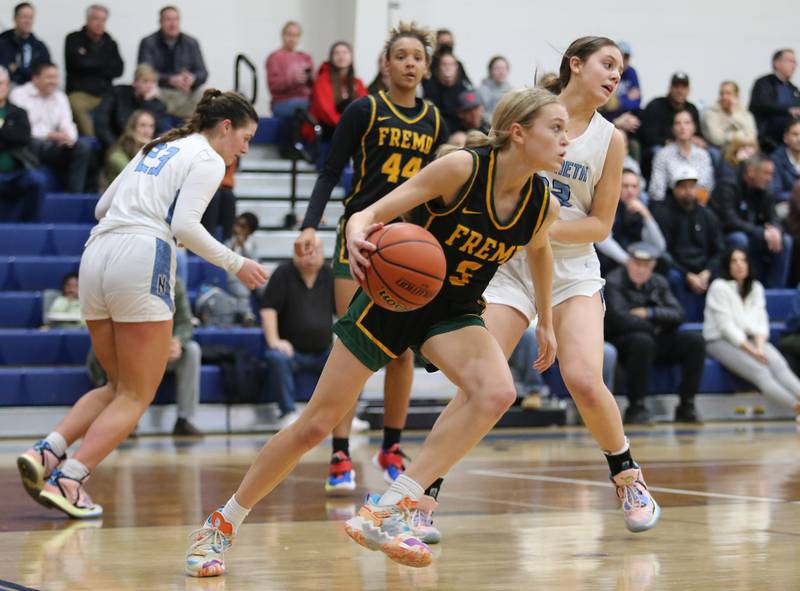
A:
[772,268]
[280,374]
[693,304]
[21,193]
[285,109]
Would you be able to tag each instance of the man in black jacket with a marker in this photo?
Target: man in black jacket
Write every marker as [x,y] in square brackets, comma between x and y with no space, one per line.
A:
[118,105]
[642,320]
[20,49]
[93,61]
[22,187]
[775,101]
[659,115]
[178,61]
[746,209]
[693,236]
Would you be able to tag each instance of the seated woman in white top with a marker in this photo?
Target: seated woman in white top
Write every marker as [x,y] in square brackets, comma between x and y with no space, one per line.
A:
[736,329]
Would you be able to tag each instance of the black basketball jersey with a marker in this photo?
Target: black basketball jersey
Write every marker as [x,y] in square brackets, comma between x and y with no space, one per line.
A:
[393,148]
[474,240]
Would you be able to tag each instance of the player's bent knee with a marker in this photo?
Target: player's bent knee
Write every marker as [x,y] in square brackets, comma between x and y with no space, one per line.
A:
[586,388]
[312,432]
[496,401]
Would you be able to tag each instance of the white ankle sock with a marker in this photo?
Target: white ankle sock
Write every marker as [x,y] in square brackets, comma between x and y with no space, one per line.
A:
[401,488]
[57,443]
[625,448]
[74,469]
[234,513]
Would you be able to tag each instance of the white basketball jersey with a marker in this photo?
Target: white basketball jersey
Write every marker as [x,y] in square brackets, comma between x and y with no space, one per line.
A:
[574,184]
[142,198]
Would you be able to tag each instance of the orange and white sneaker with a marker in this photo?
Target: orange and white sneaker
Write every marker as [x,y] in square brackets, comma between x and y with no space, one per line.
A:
[36,465]
[206,555]
[639,508]
[387,528]
[68,495]
[422,520]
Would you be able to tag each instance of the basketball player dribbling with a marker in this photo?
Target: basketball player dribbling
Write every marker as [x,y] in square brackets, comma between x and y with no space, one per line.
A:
[127,280]
[390,136]
[482,205]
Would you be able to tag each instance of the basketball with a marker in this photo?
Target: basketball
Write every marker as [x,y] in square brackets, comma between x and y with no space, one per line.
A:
[406,269]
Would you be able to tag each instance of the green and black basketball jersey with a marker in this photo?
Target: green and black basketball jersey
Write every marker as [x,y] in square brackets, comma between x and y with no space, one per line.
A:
[474,240]
[396,144]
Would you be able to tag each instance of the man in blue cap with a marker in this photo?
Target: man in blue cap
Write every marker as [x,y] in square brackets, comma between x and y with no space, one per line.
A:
[623,108]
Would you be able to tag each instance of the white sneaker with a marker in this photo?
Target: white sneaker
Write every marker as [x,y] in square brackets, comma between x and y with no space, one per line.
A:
[359,425]
[288,419]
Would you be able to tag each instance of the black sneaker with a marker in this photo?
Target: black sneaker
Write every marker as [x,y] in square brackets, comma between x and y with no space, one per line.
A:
[184,428]
[687,413]
[637,414]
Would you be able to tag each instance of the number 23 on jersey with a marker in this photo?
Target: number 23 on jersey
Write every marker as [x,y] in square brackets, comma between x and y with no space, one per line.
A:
[393,170]
[161,153]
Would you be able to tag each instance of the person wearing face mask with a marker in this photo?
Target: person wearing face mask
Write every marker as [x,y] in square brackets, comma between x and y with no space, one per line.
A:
[117,106]
[495,85]
[445,87]
[727,120]
[335,87]
[20,49]
[445,43]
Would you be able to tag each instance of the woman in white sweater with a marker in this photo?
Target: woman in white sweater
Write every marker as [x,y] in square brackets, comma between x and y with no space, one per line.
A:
[736,329]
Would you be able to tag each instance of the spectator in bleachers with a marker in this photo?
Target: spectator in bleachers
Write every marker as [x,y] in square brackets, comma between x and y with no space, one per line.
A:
[445,44]
[185,356]
[22,187]
[243,243]
[65,311]
[693,237]
[623,108]
[736,153]
[297,311]
[381,80]
[335,87]
[789,343]
[55,137]
[471,117]
[139,131]
[289,74]
[117,106]
[494,86]
[774,100]
[787,163]
[658,117]
[92,62]
[444,88]
[633,223]
[179,62]
[642,320]
[221,210]
[680,152]
[727,120]
[746,209]
[736,329]
[791,225]
[20,49]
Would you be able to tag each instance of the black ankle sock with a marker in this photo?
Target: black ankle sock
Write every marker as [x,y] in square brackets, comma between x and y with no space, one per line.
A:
[620,462]
[390,437]
[341,444]
[433,489]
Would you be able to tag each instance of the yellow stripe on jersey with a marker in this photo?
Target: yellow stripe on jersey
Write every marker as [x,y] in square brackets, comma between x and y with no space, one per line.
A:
[373,108]
[490,201]
[370,336]
[436,133]
[543,209]
[398,114]
[462,194]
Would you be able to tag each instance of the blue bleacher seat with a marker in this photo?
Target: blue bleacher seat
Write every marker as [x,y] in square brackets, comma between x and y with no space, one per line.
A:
[201,272]
[34,273]
[779,303]
[20,308]
[268,131]
[71,208]
[249,339]
[24,239]
[68,239]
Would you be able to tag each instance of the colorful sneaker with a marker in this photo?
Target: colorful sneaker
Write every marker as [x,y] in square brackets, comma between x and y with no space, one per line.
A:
[422,521]
[386,528]
[390,461]
[342,477]
[206,555]
[68,495]
[639,508]
[35,467]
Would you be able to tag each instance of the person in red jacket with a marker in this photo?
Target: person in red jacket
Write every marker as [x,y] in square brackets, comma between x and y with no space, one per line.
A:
[335,87]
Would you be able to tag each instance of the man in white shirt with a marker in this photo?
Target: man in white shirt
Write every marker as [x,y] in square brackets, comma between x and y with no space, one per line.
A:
[55,137]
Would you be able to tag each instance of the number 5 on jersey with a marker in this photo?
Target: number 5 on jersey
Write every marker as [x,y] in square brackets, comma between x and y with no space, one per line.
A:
[464,272]
[391,167]
[160,153]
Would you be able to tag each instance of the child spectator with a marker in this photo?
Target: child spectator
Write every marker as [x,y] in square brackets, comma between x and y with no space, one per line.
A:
[65,311]
[139,131]
[242,242]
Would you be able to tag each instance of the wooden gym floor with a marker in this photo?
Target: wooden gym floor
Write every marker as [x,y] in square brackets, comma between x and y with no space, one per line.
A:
[525,510]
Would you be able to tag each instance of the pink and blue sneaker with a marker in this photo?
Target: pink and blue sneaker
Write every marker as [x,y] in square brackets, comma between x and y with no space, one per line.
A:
[639,508]
[206,554]
[341,477]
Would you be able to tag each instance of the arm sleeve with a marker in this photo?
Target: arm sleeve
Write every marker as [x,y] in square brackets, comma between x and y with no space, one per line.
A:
[669,312]
[102,119]
[355,121]
[713,127]
[657,188]
[651,234]
[196,191]
[632,104]
[611,248]
[722,313]
[277,79]
[723,198]
[16,131]
[199,66]
[114,65]
[763,100]
[761,320]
